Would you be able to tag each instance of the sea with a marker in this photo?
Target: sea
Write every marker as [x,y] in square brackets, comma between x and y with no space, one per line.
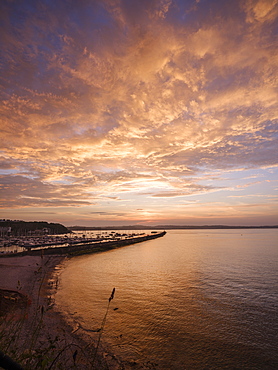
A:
[193,299]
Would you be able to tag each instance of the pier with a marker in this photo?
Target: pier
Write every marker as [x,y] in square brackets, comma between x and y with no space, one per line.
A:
[85,246]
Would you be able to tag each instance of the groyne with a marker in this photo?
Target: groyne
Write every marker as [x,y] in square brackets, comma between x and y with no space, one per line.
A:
[86,248]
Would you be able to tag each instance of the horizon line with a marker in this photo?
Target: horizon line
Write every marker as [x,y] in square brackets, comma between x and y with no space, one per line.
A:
[123,227]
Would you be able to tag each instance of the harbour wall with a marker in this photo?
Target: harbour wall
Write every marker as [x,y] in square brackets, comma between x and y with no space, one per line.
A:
[86,248]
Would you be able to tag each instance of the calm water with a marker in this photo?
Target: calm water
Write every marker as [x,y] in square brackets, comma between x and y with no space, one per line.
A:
[202,299]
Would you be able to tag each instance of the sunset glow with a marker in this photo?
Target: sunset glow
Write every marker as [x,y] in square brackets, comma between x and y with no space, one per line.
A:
[121,112]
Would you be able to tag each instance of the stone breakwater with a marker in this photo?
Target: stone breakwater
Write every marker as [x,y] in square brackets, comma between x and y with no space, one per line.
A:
[90,247]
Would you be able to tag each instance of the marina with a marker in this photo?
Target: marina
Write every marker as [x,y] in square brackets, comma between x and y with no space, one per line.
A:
[73,244]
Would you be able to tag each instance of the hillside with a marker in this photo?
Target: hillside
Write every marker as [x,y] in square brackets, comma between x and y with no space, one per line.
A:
[31,227]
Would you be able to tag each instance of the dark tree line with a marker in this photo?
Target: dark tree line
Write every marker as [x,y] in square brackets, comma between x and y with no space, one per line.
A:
[24,227]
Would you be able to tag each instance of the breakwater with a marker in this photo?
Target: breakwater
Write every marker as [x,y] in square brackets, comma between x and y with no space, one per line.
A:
[87,247]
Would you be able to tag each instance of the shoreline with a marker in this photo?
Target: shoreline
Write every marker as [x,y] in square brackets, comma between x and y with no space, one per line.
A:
[37,279]
[34,331]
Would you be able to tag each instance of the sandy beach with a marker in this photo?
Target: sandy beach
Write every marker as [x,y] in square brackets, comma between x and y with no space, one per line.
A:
[32,332]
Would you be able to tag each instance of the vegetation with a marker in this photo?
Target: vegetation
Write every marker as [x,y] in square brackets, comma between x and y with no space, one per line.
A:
[24,227]
[28,342]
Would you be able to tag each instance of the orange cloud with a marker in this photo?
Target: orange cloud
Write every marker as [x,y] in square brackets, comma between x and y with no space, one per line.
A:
[135,101]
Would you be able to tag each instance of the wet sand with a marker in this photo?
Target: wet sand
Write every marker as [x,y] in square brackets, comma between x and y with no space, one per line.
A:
[27,303]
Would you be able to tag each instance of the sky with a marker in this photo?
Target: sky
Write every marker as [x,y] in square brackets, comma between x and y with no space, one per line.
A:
[139,112]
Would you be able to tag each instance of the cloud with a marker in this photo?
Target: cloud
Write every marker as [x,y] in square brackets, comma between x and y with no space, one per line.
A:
[185,190]
[261,11]
[124,98]
[21,191]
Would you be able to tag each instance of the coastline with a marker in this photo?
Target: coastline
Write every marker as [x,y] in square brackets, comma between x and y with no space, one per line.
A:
[33,330]
[33,310]
[29,284]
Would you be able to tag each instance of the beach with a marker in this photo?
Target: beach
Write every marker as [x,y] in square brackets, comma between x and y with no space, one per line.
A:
[33,331]
[37,332]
